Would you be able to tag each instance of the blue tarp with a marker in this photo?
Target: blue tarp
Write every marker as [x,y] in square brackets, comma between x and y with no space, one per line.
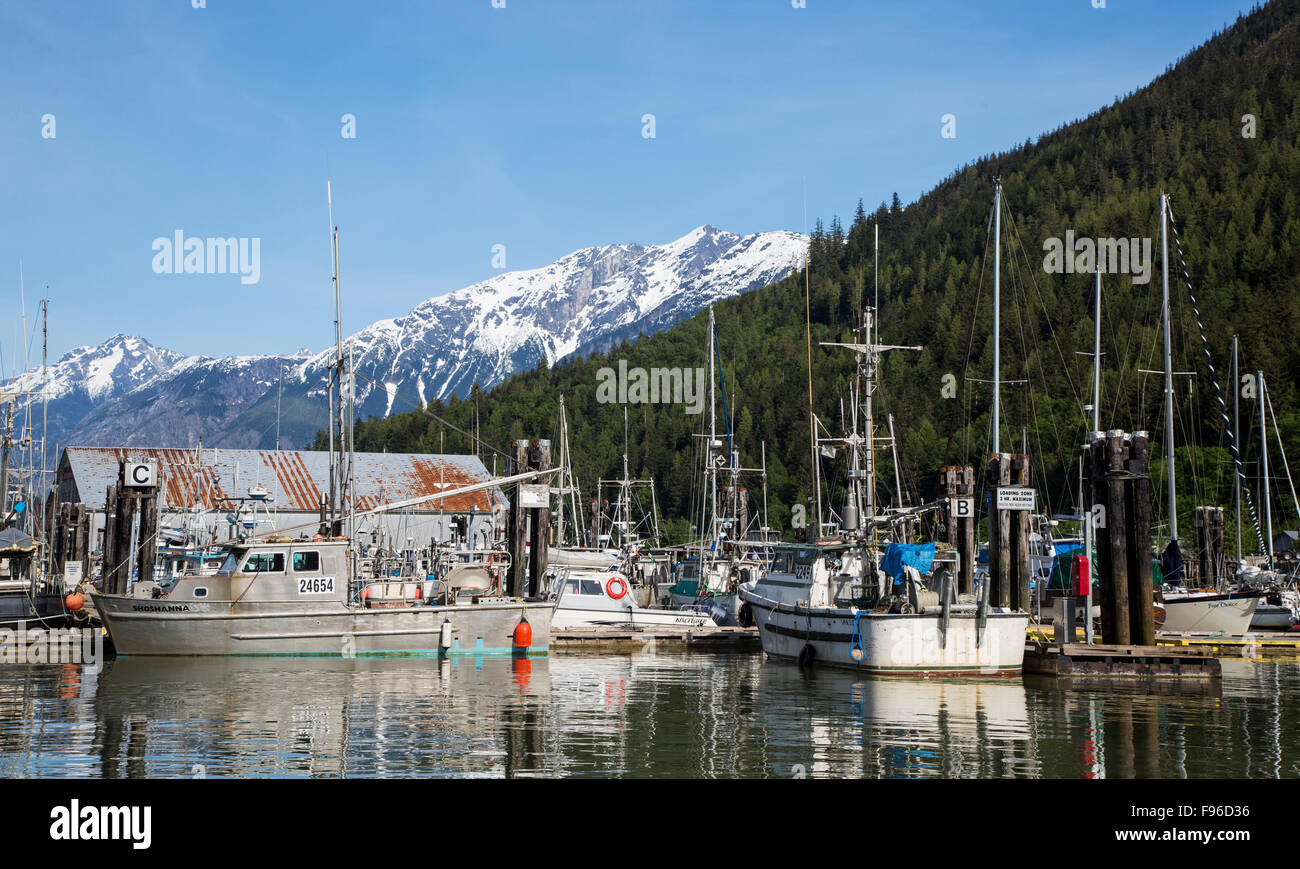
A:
[918,555]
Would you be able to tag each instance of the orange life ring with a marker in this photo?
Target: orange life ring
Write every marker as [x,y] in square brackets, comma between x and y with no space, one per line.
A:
[609,587]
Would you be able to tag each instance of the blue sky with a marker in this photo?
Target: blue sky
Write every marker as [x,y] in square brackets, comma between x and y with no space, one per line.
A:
[478,126]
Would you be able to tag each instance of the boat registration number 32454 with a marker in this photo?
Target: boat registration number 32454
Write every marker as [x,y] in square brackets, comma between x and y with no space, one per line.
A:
[316,585]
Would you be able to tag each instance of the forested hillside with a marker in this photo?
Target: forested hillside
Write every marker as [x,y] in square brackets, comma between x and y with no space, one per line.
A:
[1234,203]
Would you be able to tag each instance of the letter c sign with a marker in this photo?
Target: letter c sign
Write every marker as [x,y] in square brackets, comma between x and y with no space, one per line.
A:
[141,475]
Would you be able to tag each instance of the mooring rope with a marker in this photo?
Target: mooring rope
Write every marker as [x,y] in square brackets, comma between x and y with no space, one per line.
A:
[1214,378]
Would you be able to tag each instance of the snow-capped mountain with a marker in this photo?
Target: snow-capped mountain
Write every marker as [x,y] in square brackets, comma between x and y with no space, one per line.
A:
[127,392]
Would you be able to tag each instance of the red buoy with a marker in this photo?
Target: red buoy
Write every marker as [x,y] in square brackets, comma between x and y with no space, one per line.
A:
[523,634]
[74,601]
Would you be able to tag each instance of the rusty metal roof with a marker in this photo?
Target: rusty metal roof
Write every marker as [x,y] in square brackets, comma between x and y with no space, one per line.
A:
[295,480]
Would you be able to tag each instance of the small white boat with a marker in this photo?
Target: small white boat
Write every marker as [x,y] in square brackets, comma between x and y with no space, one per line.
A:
[591,597]
[1195,612]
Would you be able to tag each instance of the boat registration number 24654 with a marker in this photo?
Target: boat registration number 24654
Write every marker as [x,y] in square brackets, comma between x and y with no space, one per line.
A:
[316,585]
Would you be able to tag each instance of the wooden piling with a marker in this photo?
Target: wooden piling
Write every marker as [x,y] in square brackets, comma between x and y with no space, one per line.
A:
[1120,631]
[1020,539]
[540,537]
[1000,569]
[518,524]
[1141,588]
[957,483]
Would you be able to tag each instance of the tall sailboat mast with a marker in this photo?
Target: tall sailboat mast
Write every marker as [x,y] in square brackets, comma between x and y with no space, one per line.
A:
[997,315]
[1096,355]
[1236,438]
[1263,470]
[1169,370]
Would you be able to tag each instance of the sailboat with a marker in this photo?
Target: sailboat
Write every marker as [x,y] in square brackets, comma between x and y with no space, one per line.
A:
[28,594]
[832,601]
[282,595]
[709,578]
[1188,610]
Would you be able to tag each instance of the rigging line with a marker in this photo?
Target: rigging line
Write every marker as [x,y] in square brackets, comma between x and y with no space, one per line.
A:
[970,345]
[1018,291]
[427,412]
[1015,231]
[1278,432]
[1214,378]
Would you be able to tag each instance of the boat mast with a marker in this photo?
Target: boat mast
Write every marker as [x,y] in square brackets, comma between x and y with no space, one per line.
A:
[45,415]
[997,314]
[812,417]
[713,439]
[1263,459]
[1096,355]
[1169,371]
[1236,438]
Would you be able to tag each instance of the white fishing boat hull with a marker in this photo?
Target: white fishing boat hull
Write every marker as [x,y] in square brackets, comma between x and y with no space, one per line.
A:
[1209,614]
[140,626]
[576,617]
[901,645]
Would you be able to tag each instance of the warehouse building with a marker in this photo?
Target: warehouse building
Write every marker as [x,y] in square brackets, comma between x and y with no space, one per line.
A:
[217,495]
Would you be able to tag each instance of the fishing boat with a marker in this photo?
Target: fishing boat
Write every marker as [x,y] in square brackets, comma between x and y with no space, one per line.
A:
[590,597]
[300,597]
[26,595]
[281,595]
[837,601]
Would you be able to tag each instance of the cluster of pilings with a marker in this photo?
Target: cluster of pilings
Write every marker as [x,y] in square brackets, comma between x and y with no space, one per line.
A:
[130,531]
[1009,563]
[1119,471]
[1210,556]
[957,483]
[69,526]
[530,519]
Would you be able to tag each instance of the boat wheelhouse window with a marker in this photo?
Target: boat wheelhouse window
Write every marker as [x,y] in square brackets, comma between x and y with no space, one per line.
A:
[265,562]
[592,586]
[572,587]
[304,562]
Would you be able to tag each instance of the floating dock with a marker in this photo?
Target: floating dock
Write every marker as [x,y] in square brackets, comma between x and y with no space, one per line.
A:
[1079,659]
[650,640]
[1266,644]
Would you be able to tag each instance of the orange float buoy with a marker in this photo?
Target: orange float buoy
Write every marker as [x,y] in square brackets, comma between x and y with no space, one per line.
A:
[523,634]
[74,601]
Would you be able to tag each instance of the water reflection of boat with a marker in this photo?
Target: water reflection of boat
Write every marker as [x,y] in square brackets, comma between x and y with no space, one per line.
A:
[202,716]
[886,727]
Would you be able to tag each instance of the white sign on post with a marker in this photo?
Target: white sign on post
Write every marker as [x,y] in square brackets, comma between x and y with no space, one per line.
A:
[72,575]
[1015,498]
[962,508]
[141,475]
[534,496]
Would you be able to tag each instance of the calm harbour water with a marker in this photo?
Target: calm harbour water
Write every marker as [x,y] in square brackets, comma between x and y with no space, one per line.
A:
[605,716]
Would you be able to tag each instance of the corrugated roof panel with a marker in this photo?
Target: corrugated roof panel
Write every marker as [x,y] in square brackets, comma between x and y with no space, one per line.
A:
[295,480]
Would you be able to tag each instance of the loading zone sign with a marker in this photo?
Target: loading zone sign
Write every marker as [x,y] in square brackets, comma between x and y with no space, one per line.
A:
[1015,498]
[141,475]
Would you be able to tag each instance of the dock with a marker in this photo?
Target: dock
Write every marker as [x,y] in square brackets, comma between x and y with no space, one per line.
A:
[1263,644]
[1079,659]
[651,640]
[1280,644]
